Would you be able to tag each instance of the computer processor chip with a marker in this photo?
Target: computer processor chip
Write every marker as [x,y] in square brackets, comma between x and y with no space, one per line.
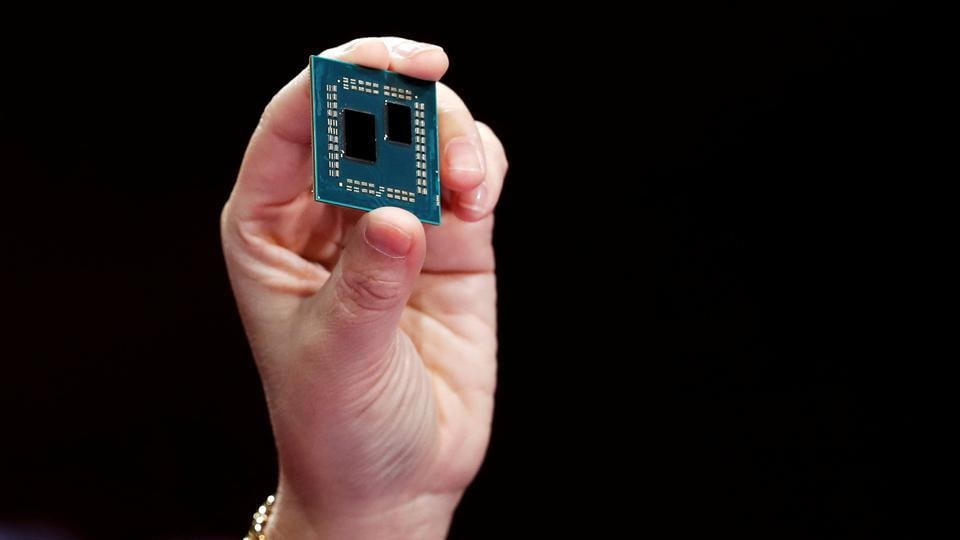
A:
[375,139]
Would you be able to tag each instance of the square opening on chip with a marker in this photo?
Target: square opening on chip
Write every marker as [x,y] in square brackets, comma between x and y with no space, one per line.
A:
[399,129]
[359,135]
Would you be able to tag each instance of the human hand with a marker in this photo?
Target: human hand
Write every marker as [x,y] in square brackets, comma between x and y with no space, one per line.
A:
[375,339]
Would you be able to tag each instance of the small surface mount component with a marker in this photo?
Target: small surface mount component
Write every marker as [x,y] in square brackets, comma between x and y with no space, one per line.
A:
[374,139]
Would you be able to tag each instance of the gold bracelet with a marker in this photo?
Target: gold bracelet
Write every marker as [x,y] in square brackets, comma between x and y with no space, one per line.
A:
[260,517]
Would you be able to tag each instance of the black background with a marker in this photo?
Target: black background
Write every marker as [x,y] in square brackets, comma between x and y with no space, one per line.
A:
[696,251]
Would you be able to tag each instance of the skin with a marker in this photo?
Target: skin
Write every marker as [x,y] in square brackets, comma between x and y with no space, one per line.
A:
[375,338]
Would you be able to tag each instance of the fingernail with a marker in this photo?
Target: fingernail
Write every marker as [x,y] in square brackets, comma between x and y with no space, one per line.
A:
[407,49]
[346,47]
[463,155]
[474,200]
[388,239]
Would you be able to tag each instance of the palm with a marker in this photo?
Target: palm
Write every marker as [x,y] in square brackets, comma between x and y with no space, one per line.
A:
[448,327]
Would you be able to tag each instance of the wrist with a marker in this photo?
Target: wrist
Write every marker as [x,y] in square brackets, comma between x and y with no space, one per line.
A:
[425,517]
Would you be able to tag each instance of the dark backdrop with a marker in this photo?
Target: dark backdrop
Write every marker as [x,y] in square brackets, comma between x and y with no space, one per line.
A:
[694,272]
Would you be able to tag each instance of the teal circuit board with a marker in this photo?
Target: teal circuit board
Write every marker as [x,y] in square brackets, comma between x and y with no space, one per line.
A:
[375,139]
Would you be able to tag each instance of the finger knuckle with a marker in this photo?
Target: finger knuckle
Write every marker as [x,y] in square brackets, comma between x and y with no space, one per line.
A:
[502,158]
[495,145]
[224,216]
[367,292]
[266,115]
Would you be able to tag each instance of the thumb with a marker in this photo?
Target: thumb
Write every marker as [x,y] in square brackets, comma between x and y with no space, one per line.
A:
[359,307]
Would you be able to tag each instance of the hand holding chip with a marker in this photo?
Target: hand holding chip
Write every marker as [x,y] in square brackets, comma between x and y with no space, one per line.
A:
[375,339]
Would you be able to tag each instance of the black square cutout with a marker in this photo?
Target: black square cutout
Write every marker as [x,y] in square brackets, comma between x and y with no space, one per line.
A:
[359,135]
[398,123]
